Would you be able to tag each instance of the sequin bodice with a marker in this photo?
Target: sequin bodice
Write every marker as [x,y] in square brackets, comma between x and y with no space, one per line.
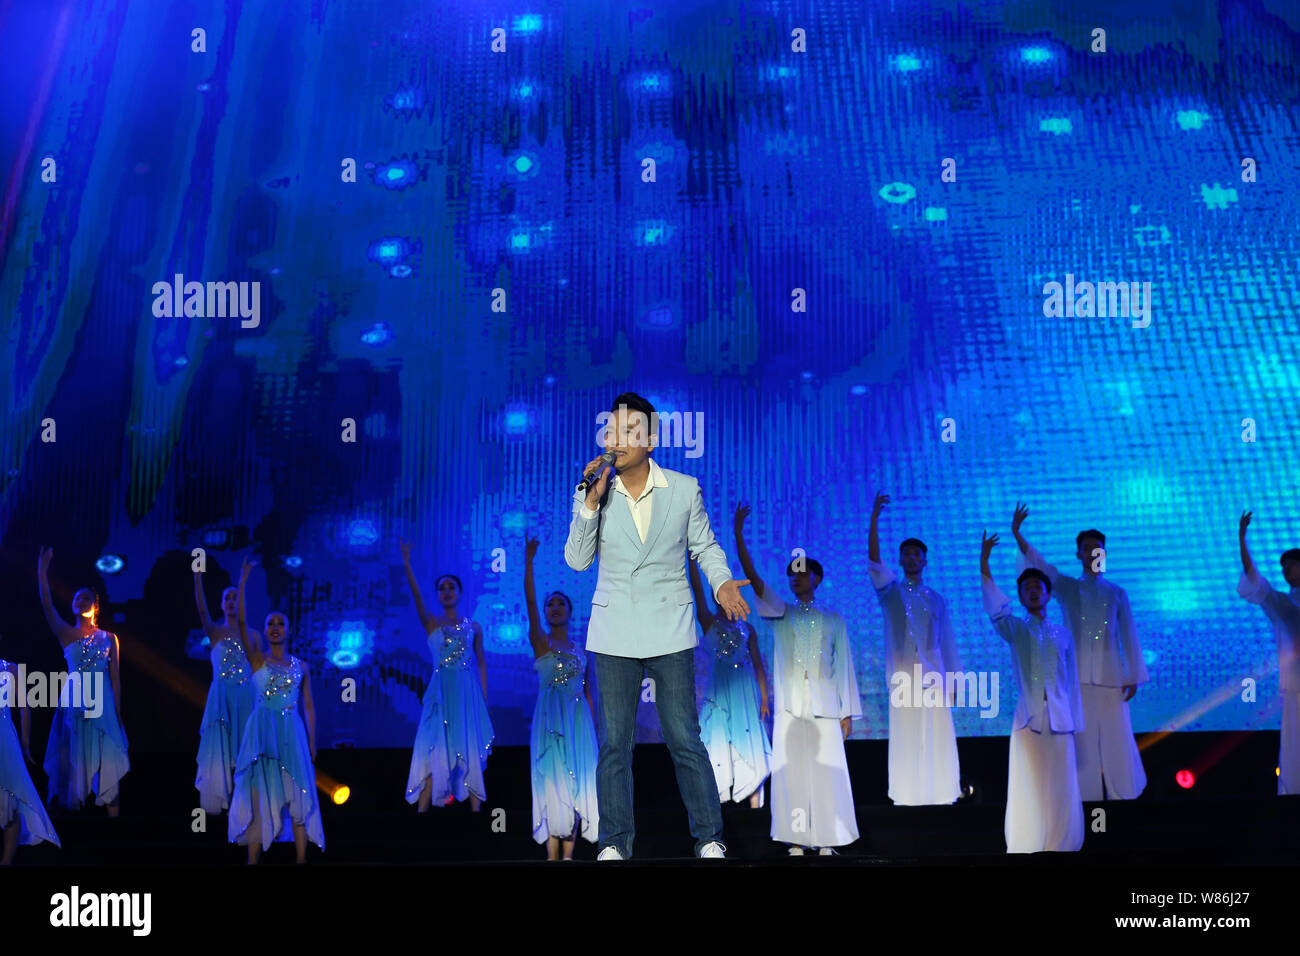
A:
[229,663]
[89,653]
[452,645]
[730,643]
[275,685]
[562,669]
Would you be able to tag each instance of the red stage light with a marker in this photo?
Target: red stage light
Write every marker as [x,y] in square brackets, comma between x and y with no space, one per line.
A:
[1186,779]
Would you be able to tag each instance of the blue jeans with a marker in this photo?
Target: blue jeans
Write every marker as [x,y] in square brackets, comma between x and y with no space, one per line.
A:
[619,683]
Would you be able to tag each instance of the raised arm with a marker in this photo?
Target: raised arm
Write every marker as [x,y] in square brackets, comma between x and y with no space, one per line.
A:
[536,634]
[1247,565]
[987,543]
[1017,519]
[996,604]
[251,650]
[702,612]
[873,535]
[1031,557]
[426,619]
[65,632]
[204,617]
[742,551]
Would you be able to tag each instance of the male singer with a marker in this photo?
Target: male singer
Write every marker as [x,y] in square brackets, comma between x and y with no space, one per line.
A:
[643,619]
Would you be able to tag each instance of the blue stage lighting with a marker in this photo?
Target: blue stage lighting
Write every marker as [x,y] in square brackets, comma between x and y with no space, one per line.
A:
[110,564]
[527,23]
[1191,119]
[218,538]
[1035,54]
[1055,124]
[378,334]
[362,533]
[517,420]
[660,318]
[346,646]
[905,63]
[898,192]
[397,175]
[388,251]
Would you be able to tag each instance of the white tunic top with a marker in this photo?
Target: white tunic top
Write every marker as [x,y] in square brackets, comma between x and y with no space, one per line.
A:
[1284,611]
[1042,659]
[1105,641]
[815,642]
[918,628]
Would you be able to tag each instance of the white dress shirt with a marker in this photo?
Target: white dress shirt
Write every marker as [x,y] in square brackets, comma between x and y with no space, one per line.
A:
[640,506]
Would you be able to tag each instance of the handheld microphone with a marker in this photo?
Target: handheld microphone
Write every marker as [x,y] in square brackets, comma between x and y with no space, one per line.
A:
[605,459]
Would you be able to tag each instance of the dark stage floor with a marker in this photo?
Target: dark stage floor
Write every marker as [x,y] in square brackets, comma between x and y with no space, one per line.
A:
[1231,817]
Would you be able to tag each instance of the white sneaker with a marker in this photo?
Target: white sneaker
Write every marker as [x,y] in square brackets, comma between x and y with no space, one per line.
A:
[796,851]
[713,851]
[609,853]
[826,851]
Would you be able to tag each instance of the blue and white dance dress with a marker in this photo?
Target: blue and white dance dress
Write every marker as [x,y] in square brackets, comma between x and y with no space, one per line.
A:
[275,780]
[86,751]
[730,722]
[563,749]
[18,796]
[230,701]
[454,737]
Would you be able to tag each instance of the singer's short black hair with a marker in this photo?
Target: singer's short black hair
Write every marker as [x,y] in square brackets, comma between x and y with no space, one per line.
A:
[635,403]
[1292,555]
[915,541]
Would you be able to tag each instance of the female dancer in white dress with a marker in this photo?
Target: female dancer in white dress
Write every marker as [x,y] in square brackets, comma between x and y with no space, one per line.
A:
[454,736]
[735,703]
[563,739]
[87,749]
[275,774]
[230,701]
[22,815]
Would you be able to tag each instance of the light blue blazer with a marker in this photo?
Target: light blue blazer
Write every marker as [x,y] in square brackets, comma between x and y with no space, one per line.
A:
[643,605]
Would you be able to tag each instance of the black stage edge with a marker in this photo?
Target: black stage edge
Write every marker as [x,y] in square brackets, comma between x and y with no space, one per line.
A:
[385,864]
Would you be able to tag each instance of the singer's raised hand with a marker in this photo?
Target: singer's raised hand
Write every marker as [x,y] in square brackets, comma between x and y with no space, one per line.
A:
[596,490]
